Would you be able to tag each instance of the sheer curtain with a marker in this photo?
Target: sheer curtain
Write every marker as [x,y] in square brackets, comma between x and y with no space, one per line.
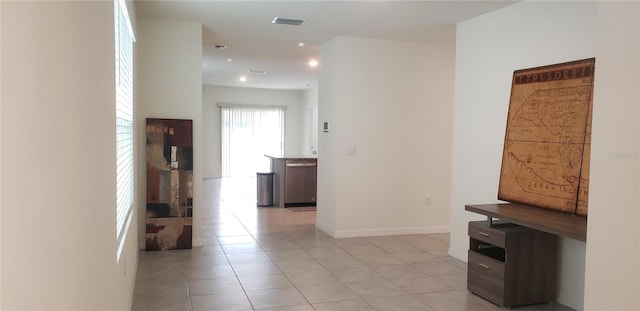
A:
[247,134]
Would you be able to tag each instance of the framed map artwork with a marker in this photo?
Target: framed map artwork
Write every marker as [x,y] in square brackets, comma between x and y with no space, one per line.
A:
[547,143]
[169,184]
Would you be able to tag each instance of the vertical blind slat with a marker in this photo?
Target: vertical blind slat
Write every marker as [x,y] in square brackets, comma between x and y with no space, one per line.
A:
[247,134]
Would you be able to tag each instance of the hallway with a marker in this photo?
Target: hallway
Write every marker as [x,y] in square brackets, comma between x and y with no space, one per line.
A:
[275,259]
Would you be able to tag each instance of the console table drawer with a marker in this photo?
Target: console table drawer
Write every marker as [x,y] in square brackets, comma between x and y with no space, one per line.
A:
[511,265]
[480,231]
[486,266]
[485,277]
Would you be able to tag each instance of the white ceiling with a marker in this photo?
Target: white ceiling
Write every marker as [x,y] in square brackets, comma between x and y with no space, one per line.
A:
[254,43]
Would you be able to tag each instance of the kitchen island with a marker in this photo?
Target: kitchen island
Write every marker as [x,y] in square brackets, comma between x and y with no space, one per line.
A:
[295,180]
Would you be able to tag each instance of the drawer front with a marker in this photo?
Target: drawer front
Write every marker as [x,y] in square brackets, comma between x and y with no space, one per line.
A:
[485,278]
[480,231]
[485,265]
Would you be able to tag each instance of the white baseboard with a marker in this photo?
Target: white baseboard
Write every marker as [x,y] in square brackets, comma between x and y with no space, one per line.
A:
[325,229]
[197,243]
[388,231]
[194,243]
[458,254]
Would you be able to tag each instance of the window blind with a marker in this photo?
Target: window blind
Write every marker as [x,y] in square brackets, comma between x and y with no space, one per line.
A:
[124,39]
[247,134]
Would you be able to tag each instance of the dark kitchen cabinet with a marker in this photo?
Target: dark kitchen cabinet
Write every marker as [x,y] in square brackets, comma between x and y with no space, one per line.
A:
[295,180]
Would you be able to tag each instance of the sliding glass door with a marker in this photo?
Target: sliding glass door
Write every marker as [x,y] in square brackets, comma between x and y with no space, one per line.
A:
[248,133]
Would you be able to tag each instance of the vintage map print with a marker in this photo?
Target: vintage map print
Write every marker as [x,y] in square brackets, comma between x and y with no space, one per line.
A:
[547,144]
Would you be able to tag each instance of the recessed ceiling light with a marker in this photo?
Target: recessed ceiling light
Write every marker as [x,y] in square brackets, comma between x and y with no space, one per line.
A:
[243,79]
[288,21]
[313,63]
[301,44]
[257,72]
[219,46]
[229,60]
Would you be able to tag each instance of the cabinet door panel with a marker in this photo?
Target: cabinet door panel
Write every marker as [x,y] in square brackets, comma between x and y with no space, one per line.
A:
[485,277]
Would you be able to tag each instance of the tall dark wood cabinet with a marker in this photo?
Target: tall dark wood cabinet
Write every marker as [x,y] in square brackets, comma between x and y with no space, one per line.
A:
[511,265]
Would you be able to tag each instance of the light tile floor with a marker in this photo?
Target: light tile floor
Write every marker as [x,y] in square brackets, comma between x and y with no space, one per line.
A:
[275,259]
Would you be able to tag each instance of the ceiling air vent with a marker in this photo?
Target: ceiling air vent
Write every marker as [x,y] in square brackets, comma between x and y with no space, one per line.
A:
[287,21]
[257,72]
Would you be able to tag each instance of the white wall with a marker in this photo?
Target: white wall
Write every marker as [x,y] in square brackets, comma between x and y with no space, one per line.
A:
[212,95]
[326,215]
[169,85]
[613,257]
[392,101]
[489,48]
[0,158]
[58,152]
[310,102]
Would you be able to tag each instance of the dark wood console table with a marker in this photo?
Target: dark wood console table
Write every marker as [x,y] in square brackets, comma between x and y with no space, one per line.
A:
[513,262]
[554,222]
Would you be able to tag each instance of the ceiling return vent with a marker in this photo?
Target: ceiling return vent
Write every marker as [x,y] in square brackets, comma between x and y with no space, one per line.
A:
[287,21]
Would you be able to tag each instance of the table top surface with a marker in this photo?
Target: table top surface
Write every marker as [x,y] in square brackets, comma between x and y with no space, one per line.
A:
[550,221]
[292,157]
